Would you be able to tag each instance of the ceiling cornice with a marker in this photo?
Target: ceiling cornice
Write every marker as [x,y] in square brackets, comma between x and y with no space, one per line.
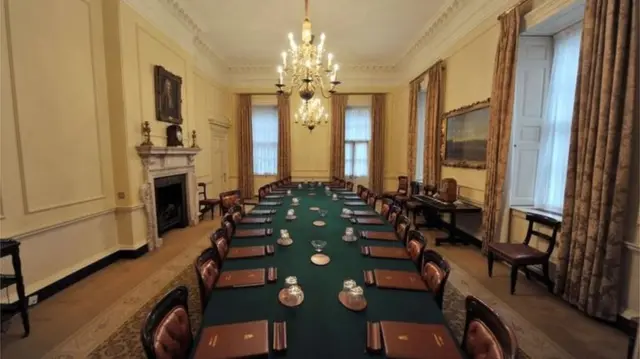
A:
[253,69]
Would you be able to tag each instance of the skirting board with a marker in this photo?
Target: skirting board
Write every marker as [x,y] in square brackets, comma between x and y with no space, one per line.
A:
[622,323]
[80,274]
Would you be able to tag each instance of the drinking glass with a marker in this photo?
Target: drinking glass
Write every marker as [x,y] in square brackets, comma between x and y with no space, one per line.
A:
[356,294]
[349,232]
[290,281]
[323,212]
[348,284]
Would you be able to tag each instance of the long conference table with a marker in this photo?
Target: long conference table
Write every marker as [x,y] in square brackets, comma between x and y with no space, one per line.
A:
[321,327]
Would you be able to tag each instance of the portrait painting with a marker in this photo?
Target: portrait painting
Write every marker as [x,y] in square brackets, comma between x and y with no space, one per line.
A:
[464,136]
[168,96]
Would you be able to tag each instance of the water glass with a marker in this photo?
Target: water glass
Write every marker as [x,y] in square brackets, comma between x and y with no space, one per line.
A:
[356,294]
[290,282]
[291,212]
[348,284]
[295,200]
[323,212]
[348,232]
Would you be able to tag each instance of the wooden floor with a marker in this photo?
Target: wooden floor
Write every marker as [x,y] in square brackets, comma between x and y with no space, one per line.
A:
[59,317]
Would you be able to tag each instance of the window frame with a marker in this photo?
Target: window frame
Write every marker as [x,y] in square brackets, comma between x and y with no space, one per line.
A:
[273,171]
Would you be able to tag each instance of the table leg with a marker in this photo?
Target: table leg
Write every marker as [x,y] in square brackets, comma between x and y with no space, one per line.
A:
[22,299]
[453,237]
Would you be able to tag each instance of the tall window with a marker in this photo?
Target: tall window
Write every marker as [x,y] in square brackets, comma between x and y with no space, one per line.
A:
[420,120]
[264,126]
[357,134]
[556,134]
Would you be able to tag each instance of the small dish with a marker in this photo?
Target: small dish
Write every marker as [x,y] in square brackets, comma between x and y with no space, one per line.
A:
[320,259]
[285,242]
[314,208]
[319,223]
[347,239]
[347,216]
[290,218]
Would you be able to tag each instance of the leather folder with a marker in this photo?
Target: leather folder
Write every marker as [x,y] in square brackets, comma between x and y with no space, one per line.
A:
[255,220]
[239,340]
[394,279]
[370,221]
[241,278]
[279,336]
[364,213]
[388,252]
[262,211]
[274,196]
[413,340]
[383,236]
[258,232]
[270,203]
[246,252]
[354,203]
[349,196]
[374,339]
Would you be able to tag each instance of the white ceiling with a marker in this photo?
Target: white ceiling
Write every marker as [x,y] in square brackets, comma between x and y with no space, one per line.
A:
[359,32]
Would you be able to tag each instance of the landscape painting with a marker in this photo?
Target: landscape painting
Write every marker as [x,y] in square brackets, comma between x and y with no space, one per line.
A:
[465,132]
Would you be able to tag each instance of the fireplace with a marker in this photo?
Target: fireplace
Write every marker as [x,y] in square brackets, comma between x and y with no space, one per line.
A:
[171,202]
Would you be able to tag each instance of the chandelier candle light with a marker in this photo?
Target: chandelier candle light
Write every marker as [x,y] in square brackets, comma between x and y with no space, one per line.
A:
[311,114]
[303,65]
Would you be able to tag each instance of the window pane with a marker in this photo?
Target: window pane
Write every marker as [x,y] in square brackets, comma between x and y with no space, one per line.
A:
[357,124]
[422,108]
[556,134]
[348,159]
[360,160]
[264,122]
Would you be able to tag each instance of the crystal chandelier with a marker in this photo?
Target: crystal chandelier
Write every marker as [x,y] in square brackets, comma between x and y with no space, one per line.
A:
[311,114]
[304,68]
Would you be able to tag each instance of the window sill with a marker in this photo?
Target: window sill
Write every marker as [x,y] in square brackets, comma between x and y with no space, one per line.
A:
[528,209]
[265,175]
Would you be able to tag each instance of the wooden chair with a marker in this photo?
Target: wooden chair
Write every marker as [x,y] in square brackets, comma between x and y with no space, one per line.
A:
[364,194]
[262,193]
[359,189]
[229,226]
[394,216]
[415,245]
[402,191]
[385,208]
[166,332]
[486,335]
[228,199]
[372,199]
[221,242]
[522,255]
[402,227]
[350,186]
[206,204]
[207,267]
[435,273]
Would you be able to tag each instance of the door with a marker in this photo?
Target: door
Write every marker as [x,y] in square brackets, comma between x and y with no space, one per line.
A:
[219,175]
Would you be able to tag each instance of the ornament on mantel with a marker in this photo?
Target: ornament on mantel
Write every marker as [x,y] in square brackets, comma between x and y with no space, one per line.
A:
[193,140]
[146,132]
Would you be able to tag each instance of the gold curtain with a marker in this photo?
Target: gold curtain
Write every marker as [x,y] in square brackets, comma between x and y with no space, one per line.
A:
[376,165]
[414,90]
[284,138]
[432,124]
[600,156]
[502,95]
[245,146]
[338,112]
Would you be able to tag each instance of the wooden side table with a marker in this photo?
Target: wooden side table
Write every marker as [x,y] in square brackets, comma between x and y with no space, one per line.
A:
[11,247]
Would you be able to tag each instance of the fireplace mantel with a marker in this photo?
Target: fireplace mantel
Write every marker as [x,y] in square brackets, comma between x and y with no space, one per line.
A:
[160,162]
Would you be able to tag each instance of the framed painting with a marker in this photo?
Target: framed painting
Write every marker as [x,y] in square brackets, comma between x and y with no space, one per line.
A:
[168,94]
[464,136]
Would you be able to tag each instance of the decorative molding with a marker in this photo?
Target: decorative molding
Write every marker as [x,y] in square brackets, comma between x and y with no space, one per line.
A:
[223,122]
[25,235]
[252,69]
[129,209]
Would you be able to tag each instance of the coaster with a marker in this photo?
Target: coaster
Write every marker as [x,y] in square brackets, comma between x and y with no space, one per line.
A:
[290,218]
[320,259]
[295,204]
[312,193]
[314,208]
[284,242]
[347,216]
[287,301]
[319,223]
[356,306]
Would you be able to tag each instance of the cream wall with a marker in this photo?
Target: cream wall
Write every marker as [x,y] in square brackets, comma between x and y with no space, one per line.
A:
[77,81]
[57,194]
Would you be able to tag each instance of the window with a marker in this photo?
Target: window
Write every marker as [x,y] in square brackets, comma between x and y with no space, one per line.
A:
[264,127]
[420,120]
[556,131]
[357,134]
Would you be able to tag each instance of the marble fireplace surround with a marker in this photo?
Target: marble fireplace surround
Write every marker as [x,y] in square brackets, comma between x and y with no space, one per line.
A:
[160,162]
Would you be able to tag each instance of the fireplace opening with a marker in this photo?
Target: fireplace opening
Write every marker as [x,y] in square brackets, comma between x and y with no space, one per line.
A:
[171,203]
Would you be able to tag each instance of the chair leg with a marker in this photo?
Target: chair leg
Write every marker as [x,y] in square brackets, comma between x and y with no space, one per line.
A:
[527,274]
[514,278]
[545,271]
[490,263]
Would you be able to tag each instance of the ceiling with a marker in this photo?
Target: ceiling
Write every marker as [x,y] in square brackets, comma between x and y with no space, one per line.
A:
[359,32]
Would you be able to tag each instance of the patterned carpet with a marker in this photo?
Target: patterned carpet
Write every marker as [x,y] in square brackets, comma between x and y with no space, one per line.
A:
[125,342]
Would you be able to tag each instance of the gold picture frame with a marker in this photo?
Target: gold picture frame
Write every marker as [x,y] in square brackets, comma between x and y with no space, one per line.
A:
[467,152]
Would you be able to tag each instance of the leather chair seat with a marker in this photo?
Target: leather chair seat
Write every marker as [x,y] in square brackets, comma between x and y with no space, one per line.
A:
[517,251]
[401,198]
[210,201]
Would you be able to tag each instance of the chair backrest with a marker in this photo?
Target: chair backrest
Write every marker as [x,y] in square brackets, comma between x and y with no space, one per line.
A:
[371,199]
[262,193]
[403,184]
[220,241]
[202,190]
[359,189]
[402,227]
[545,221]
[228,199]
[385,208]
[207,267]
[237,212]
[350,186]
[435,272]
[228,225]
[394,214]
[486,335]
[166,332]
[415,245]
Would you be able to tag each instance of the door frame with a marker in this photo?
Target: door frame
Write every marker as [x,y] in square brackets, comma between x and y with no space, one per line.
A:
[219,129]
